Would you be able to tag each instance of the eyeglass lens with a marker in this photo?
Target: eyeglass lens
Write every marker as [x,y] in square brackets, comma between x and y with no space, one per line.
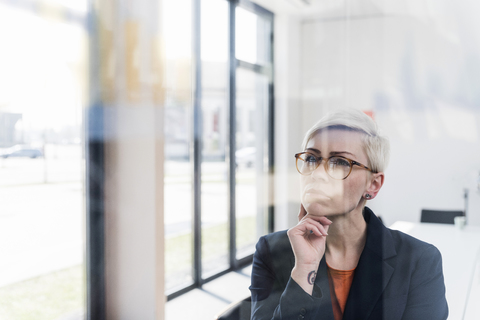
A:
[336,167]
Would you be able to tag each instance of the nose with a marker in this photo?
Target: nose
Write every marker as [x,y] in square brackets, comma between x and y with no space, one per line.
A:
[320,173]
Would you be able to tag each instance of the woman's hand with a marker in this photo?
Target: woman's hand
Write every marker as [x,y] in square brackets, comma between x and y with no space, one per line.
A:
[308,240]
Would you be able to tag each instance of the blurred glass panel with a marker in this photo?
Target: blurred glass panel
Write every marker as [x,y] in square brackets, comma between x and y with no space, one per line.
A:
[251,159]
[178,163]
[252,42]
[214,54]
[42,227]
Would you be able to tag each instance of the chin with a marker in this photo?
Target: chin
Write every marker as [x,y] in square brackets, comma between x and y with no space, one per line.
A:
[317,209]
[322,209]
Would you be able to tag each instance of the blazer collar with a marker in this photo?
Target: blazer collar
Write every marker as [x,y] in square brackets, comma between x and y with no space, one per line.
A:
[373,271]
[379,239]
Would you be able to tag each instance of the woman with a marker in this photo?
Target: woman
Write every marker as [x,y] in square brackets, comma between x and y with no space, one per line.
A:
[339,261]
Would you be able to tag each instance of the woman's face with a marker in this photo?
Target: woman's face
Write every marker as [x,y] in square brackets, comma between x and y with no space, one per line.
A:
[325,196]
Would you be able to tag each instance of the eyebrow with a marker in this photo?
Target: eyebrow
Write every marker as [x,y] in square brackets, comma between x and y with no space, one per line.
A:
[333,153]
[340,152]
[314,150]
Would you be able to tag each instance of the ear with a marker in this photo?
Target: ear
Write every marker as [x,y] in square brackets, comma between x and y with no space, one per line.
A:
[375,184]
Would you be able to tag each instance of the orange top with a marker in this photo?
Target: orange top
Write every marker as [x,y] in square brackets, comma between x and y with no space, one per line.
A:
[340,282]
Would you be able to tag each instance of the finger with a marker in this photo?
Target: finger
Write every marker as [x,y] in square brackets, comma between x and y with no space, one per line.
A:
[302,212]
[304,228]
[311,228]
[322,229]
[322,219]
[326,228]
[325,221]
[317,224]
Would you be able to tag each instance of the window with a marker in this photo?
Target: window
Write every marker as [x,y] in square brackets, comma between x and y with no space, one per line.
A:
[178,141]
[214,106]
[218,138]
[42,224]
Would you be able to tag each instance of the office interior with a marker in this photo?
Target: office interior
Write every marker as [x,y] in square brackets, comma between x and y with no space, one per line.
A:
[146,145]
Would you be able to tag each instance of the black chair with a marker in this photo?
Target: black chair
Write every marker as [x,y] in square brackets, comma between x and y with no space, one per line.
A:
[439,216]
[239,310]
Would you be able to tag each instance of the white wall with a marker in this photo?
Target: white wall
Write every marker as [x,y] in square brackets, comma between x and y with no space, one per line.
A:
[414,64]
[412,71]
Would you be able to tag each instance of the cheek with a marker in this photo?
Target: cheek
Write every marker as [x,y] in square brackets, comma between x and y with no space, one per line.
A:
[354,189]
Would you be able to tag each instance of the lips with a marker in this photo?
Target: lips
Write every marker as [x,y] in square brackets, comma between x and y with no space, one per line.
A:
[314,191]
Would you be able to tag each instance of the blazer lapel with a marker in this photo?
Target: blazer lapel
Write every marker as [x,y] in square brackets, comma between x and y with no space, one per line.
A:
[373,272]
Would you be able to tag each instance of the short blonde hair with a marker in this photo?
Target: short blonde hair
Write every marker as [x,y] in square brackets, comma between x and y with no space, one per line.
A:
[376,145]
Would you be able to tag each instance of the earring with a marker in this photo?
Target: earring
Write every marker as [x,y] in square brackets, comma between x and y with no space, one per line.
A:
[367,196]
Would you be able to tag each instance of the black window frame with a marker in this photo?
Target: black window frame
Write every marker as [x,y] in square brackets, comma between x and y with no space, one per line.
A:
[234,63]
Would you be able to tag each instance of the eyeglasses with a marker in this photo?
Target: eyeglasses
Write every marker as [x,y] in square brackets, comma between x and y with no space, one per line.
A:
[337,167]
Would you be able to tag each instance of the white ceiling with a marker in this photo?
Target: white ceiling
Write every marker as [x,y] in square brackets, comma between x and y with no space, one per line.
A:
[423,9]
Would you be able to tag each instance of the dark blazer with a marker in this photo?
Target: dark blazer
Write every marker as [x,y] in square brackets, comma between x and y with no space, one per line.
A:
[397,277]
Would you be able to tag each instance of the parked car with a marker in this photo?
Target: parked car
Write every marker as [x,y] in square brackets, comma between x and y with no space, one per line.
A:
[245,156]
[22,151]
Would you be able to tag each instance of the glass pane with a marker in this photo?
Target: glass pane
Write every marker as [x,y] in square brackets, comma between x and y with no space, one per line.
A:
[215,229]
[251,159]
[252,42]
[42,227]
[178,163]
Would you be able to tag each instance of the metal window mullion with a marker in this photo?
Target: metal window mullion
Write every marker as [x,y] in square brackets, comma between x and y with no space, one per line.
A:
[197,147]
[95,180]
[232,132]
[271,134]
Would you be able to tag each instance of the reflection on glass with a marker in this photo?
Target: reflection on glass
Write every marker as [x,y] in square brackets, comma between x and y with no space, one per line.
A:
[41,164]
[178,163]
[215,235]
[251,142]
[252,42]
